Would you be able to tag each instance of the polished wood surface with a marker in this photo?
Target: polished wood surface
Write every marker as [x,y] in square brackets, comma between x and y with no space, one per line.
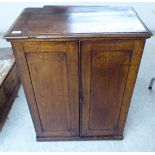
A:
[74,21]
[105,68]
[56,84]
[78,82]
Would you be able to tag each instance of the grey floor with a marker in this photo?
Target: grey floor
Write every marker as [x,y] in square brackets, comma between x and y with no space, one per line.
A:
[139,135]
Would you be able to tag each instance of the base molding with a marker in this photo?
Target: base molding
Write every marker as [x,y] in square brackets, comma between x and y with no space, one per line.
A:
[42,139]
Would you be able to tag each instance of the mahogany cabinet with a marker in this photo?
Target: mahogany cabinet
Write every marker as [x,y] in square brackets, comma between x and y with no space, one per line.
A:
[78,66]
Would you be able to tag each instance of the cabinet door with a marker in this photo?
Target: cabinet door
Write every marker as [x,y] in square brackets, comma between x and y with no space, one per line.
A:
[53,70]
[105,67]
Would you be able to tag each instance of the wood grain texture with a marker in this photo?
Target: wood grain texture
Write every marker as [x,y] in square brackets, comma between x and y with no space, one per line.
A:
[131,79]
[51,87]
[56,84]
[55,79]
[26,82]
[78,66]
[105,68]
[77,21]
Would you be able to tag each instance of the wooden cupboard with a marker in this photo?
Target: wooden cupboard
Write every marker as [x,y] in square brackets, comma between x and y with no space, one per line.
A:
[78,82]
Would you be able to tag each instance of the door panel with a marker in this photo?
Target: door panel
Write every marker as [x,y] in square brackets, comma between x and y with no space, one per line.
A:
[54,76]
[104,74]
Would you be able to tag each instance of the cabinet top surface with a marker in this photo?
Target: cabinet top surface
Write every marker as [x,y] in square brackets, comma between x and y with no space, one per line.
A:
[77,21]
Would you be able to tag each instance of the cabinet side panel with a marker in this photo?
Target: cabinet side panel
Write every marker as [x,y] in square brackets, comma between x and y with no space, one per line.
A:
[132,75]
[22,67]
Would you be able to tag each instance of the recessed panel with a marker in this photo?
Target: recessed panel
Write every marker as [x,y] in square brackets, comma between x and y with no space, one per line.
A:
[108,76]
[49,75]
